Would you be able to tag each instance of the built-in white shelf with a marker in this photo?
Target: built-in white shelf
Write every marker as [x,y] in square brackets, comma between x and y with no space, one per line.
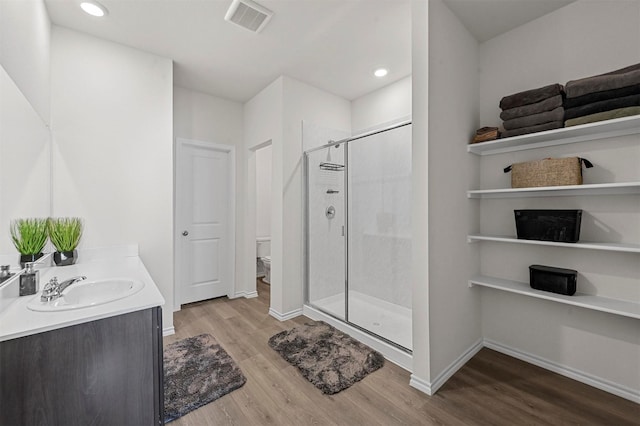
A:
[585,132]
[619,188]
[588,301]
[619,247]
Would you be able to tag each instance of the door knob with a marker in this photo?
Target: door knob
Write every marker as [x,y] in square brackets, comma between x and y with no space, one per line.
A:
[185,233]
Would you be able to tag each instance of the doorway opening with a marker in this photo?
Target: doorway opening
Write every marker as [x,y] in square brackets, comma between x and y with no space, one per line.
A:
[263,200]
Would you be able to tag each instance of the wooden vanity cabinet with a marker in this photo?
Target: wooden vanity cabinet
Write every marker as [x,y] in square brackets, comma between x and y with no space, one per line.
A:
[103,372]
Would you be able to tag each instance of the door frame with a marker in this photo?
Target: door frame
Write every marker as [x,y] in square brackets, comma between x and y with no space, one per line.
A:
[178,196]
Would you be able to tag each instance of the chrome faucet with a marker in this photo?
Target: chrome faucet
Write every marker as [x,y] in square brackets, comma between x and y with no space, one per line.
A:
[53,289]
[66,283]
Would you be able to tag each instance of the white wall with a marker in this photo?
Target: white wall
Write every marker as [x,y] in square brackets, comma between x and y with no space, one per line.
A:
[574,42]
[584,38]
[421,372]
[112,121]
[263,192]
[383,106]
[25,45]
[203,117]
[453,116]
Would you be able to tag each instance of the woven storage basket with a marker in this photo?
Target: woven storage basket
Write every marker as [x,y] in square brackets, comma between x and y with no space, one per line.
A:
[547,172]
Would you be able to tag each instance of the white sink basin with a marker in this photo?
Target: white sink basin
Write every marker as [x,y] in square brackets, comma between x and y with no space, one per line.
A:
[89,293]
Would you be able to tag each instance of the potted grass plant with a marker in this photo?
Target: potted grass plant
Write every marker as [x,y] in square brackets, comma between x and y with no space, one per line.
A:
[65,233]
[29,237]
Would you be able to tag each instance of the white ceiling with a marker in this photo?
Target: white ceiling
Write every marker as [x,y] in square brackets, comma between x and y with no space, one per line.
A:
[486,19]
[332,44]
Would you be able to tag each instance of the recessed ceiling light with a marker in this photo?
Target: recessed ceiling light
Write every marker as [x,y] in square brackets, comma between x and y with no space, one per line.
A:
[380,72]
[93,8]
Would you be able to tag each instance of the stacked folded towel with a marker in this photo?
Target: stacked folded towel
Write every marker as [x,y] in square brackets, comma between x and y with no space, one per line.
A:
[533,110]
[603,97]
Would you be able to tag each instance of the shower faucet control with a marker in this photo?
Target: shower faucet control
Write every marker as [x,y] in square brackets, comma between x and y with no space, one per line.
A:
[330,212]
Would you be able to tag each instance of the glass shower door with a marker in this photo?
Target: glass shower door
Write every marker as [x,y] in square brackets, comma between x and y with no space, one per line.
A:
[326,215]
[379,237]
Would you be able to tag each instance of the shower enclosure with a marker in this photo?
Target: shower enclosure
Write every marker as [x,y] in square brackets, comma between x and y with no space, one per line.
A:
[358,232]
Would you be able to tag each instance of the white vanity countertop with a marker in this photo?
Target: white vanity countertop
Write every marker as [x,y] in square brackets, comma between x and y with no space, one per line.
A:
[16,320]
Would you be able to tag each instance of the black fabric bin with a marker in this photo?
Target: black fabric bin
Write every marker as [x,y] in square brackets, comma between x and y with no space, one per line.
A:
[548,225]
[552,279]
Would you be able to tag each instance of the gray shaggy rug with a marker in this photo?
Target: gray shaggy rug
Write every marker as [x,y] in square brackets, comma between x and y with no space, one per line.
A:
[327,357]
[197,371]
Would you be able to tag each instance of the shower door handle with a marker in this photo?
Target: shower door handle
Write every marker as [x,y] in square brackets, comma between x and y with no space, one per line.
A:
[343,230]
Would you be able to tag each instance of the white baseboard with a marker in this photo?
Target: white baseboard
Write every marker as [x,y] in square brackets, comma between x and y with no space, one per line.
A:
[286,316]
[420,384]
[432,387]
[245,294]
[456,365]
[563,370]
[168,331]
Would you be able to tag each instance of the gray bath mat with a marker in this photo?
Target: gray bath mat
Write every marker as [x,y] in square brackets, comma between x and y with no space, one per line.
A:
[197,371]
[327,357]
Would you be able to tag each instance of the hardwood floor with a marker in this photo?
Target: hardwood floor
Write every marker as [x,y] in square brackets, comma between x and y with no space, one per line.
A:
[491,389]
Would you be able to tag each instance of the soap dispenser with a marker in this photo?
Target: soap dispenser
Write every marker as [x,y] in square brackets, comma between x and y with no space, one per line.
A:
[4,273]
[29,280]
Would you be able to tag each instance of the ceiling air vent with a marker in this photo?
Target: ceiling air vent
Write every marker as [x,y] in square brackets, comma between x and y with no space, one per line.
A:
[248,14]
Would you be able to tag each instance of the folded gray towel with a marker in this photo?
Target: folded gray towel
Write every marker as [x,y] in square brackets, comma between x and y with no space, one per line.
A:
[614,80]
[601,96]
[533,129]
[596,107]
[634,67]
[534,119]
[601,116]
[530,96]
[542,106]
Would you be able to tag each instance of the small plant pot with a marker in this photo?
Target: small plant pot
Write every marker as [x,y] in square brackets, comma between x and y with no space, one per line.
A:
[65,258]
[26,258]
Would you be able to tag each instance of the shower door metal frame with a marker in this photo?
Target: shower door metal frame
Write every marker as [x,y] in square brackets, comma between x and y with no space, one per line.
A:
[346,233]
[307,277]
[359,136]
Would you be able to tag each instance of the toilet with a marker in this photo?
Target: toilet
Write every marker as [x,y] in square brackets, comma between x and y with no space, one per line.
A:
[263,252]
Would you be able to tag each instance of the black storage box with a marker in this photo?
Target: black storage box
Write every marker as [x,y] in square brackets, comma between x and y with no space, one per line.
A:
[555,280]
[548,225]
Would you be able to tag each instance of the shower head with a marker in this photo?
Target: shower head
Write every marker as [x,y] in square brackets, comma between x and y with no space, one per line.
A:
[328,164]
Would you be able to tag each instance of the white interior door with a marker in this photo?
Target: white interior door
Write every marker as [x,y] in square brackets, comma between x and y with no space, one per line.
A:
[204,221]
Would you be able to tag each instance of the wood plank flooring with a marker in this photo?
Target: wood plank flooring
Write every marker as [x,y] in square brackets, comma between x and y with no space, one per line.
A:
[491,389]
